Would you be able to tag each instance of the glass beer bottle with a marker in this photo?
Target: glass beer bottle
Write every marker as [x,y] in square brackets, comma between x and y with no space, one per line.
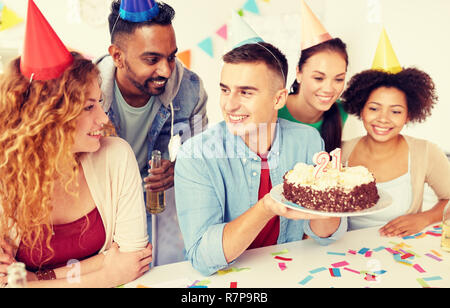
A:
[156,201]
[445,240]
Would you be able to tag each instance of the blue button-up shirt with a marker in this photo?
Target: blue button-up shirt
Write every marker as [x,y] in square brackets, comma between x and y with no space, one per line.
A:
[217,179]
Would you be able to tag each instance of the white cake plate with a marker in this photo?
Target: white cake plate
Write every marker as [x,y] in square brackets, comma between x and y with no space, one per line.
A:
[383,203]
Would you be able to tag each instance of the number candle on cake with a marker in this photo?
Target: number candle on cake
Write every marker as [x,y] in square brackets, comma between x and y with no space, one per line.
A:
[330,187]
[321,159]
[336,159]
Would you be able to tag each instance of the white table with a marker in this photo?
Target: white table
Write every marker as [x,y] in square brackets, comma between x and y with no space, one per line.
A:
[263,270]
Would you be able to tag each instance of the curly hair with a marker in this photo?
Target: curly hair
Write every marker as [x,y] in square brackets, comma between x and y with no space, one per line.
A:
[37,130]
[417,86]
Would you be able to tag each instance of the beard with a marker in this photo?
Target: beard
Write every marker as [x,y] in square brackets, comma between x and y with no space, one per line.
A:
[146,87]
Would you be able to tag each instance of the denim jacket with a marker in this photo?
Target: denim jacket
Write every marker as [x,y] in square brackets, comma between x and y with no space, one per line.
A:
[217,179]
[184,89]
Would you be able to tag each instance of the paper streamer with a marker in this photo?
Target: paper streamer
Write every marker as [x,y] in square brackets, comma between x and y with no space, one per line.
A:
[306,280]
[340,264]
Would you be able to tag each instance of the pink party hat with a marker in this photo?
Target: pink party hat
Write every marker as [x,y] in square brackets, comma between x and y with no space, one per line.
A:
[313,32]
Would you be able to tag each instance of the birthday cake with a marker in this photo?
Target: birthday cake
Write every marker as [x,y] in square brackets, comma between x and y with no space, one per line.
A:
[329,188]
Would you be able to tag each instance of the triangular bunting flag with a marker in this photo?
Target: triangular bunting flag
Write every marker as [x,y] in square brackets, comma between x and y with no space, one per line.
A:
[251,6]
[223,32]
[8,18]
[207,46]
[185,58]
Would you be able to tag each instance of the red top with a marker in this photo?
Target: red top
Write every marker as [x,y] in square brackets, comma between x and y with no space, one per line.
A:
[77,240]
[269,234]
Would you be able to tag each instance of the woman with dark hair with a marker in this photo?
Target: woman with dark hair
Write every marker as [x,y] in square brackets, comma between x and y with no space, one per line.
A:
[313,98]
[401,164]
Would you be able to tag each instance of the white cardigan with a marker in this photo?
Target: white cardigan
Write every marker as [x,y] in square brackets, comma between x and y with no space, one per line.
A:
[113,178]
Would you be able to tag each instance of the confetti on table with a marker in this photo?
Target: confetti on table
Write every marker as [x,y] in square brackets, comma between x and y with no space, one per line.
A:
[284,251]
[363,251]
[434,233]
[370,277]
[432,278]
[282,266]
[199,284]
[368,254]
[140,286]
[282,258]
[408,237]
[392,251]
[306,280]
[352,270]
[203,282]
[380,272]
[335,272]
[194,283]
[407,255]
[336,253]
[378,248]
[233,269]
[340,264]
[422,283]
[317,270]
[233,284]
[436,253]
[419,268]
[352,252]
[433,257]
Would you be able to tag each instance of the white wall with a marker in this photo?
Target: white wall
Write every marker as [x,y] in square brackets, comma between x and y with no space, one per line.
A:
[418,30]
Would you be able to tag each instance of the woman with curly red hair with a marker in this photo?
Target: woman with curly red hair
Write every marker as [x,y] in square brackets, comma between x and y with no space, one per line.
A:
[66,192]
[401,164]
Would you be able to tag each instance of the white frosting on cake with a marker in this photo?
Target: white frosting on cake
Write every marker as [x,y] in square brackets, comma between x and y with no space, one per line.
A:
[347,178]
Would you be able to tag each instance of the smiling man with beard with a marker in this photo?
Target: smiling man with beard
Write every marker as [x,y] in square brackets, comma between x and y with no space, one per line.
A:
[150,95]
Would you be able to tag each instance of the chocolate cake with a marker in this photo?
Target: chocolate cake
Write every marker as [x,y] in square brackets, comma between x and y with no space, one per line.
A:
[347,190]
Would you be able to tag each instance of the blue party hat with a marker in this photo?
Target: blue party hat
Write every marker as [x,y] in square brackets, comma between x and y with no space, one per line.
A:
[241,32]
[138,10]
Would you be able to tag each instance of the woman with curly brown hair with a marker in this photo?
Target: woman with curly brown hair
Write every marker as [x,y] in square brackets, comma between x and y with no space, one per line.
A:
[401,164]
[67,193]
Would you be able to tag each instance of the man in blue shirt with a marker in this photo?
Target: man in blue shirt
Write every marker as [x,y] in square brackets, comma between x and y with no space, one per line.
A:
[222,195]
[150,96]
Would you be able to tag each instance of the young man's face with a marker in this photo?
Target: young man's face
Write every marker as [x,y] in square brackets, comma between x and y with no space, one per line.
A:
[250,98]
[149,58]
